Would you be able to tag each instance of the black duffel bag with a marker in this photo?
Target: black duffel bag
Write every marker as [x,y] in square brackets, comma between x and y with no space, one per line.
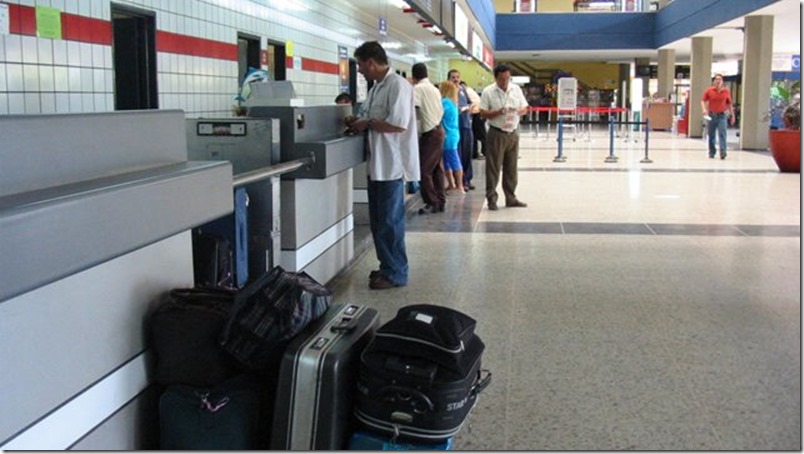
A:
[420,376]
[185,336]
[269,312]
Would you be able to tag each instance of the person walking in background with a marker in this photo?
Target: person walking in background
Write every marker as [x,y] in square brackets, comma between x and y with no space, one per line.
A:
[427,101]
[465,128]
[452,160]
[502,103]
[388,115]
[717,104]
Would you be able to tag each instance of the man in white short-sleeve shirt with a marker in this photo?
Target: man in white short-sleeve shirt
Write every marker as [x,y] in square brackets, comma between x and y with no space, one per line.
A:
[393,158]
[502,103]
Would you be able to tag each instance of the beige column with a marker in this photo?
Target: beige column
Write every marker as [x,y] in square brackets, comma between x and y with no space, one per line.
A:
[756,70]
[667,72]
[700,80]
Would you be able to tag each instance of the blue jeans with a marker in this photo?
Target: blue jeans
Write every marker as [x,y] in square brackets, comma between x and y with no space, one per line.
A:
[717,124]
[386,203]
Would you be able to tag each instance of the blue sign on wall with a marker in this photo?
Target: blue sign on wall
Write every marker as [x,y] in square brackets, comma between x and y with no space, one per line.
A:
[795,63]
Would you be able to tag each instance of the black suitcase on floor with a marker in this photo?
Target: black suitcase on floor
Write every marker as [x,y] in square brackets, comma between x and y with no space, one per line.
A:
[314,396]
[213,260]
[420,376]
[226,416]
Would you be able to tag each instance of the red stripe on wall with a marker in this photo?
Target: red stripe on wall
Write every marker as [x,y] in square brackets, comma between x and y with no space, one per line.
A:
[308,64]
[22,20]
[86,29]
[198,47]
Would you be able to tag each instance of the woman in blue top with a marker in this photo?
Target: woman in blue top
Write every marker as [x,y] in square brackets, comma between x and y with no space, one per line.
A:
[452,160]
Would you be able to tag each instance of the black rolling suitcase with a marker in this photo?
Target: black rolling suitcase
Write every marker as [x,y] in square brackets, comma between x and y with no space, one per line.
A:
[317,380]
[420,376]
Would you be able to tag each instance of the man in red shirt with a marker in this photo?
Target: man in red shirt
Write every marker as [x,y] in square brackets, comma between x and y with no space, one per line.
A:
[719,109]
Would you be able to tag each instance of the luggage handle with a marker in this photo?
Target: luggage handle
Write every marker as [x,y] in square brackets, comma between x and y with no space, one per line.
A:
[482,382]
[414,393]
[347,324]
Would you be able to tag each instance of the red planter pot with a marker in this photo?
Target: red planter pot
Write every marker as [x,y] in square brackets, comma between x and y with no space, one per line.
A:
[785,146]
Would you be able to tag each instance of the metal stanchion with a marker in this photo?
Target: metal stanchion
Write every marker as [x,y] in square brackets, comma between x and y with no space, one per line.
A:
[560,157]
[646,159]
[611,158]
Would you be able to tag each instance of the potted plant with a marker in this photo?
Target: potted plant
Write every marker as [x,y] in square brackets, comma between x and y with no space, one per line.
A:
[785,143]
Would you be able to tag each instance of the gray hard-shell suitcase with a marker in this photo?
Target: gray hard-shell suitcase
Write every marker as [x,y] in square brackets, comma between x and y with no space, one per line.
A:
[317,379]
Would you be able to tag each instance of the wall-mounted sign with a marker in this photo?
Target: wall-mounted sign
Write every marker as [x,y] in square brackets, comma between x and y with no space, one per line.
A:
[343,68]
[786,63]
[477,46]
[288,48]
[461,27]
[48,22]
[383,26]
[567,93]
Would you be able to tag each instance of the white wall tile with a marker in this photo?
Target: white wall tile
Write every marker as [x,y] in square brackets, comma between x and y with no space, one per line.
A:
[61,78]
[14,77]
[98,56]
[75,103]
[62,103]
[59,52]
[58,4]
[87,80]
[74,74]
[3,103]
[48,101]
[45,51]
[3,86]
[73,53]
[109,81]
[98,80]
[109,102]
[30,51]
[86,54]
[84,8]
[46,81]
[13,48]
[88,102]
[71,6]
[100,103]
[16,103]
[108,58]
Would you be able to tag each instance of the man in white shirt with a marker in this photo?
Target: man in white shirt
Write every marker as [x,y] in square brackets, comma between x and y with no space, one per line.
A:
[502,103]
[429,111]
[388,115]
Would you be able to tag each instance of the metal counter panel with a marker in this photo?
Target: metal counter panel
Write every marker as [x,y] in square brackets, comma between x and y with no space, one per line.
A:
[52,233]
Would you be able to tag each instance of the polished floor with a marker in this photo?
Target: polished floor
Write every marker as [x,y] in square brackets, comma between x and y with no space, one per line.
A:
[630,306]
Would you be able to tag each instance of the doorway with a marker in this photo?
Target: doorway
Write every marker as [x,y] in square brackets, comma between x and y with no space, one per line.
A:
[134,54]
[276,60]
[248,54]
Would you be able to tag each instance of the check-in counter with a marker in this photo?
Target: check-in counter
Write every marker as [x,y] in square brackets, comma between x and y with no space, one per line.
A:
[96,212]
[317,219]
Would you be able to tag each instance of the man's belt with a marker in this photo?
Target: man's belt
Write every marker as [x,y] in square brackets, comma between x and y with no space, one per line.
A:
[501,130]
[428,132]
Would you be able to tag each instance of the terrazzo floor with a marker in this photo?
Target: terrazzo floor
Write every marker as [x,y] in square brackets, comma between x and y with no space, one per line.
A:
[630,306]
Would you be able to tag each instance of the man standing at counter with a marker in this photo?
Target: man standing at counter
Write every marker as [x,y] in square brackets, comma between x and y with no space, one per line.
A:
[393,158]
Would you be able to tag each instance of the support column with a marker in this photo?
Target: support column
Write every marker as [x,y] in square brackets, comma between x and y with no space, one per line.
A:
[755,98]
[667,72]
[700,80]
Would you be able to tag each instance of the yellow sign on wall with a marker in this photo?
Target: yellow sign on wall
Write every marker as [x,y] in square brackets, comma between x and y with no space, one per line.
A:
[48,22]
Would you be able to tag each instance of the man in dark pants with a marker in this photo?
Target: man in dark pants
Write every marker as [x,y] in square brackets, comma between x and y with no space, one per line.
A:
[427,100]
[465,125]
[389,117]
[502,103]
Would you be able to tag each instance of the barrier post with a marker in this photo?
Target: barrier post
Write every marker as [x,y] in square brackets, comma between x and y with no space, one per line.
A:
[646,159]
[611,158]
[560,157]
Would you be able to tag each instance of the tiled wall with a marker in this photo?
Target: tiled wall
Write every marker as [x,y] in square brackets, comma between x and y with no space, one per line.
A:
[196,52]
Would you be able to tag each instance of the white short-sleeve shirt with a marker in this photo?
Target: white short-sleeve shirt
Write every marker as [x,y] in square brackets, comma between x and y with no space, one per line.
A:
[392,155]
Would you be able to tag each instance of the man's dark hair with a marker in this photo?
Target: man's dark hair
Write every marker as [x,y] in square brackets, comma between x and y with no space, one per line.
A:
[343,97]
[449,74]
[717,75]
[419,71]
[501,68]
[371,50]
